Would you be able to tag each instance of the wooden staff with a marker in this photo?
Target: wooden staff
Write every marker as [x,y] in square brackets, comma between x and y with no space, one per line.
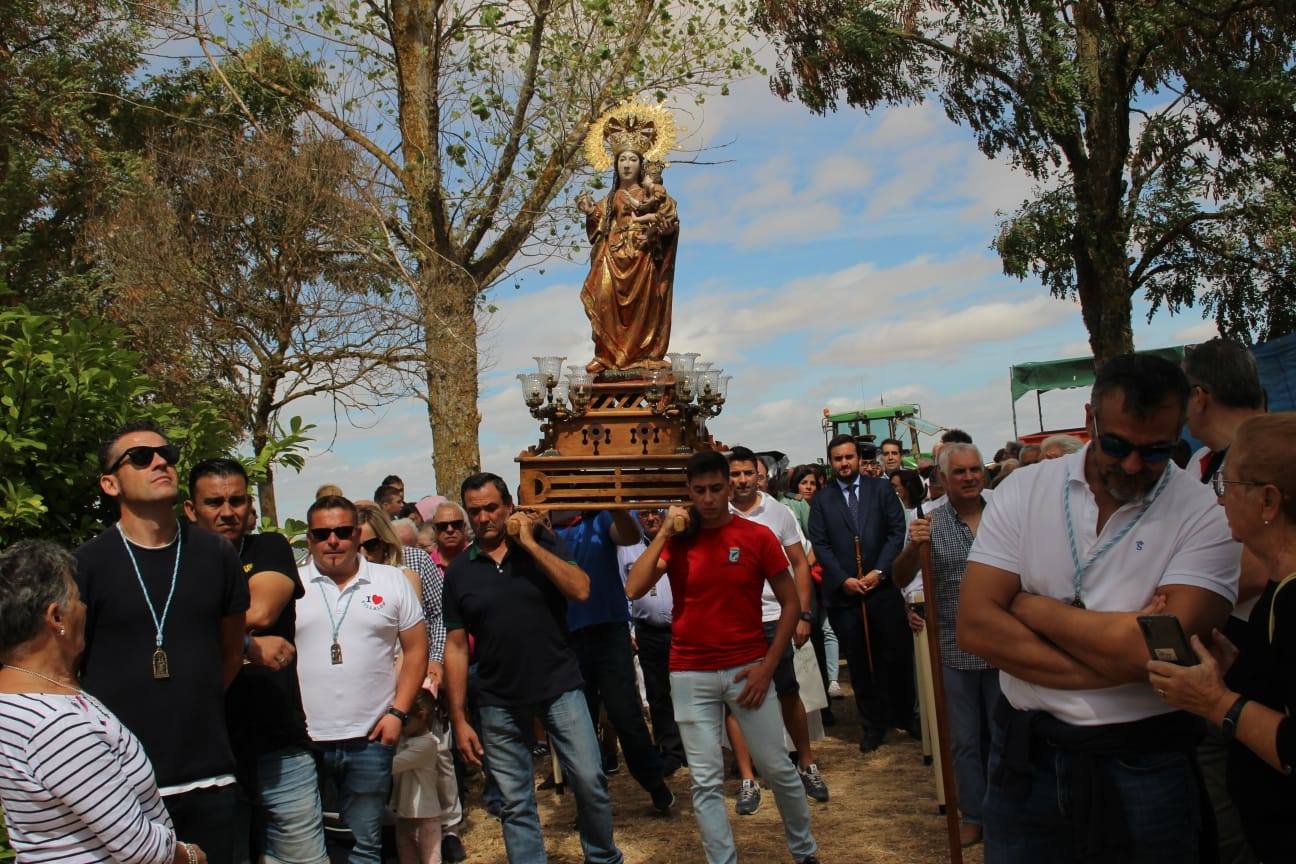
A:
[942,713]
[868,639]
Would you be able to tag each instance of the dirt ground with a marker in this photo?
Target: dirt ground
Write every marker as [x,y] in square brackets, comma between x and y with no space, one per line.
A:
[883,810]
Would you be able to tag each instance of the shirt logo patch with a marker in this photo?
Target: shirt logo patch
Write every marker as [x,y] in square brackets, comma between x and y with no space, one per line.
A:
[372,602]
[733,554]
[247,568]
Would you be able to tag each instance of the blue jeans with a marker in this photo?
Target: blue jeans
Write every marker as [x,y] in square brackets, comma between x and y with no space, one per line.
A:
[361,770]
[505,732]
[700,699]
[289,802]
[970,698]
[1160,798]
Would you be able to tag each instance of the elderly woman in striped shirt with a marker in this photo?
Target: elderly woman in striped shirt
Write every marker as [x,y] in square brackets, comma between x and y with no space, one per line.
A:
[75,784]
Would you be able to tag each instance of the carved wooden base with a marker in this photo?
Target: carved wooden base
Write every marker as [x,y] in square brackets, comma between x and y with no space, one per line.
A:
[625,451]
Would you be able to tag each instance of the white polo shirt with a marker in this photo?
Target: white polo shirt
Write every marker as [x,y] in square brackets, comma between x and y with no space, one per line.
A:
[345,700]
[1182,539]
[779,518]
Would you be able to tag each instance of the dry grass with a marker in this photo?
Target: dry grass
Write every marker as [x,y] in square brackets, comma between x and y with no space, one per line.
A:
[883,811]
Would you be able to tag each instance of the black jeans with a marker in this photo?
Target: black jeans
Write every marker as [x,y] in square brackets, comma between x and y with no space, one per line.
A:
[207,817]
[607,665]
[885,699]
[654,660]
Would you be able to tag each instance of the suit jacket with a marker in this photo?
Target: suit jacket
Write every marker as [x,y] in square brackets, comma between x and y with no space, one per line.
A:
[880,528]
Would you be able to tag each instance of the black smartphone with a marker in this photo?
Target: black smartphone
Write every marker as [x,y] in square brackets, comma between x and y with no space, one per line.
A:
[1166,640]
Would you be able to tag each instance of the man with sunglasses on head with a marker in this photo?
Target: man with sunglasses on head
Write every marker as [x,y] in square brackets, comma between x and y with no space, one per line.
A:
[1087,761]
[263,706]
[165,606]
[354,619]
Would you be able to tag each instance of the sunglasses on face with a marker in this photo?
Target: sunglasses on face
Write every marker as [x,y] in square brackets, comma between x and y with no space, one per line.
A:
[141,456]
[343,532]
[452,525]
[1118,448]
[372,545]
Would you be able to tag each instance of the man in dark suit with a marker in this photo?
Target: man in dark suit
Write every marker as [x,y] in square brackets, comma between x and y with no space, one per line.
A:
[857,528]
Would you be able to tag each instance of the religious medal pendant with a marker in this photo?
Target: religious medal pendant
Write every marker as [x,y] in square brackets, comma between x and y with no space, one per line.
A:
[335,654]
[1077,602]
[161,668]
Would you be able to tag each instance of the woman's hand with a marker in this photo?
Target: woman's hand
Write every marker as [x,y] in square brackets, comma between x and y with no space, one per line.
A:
[585,204]
[1197,689]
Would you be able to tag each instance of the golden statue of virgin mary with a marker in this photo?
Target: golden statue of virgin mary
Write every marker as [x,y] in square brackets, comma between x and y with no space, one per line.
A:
[633,232]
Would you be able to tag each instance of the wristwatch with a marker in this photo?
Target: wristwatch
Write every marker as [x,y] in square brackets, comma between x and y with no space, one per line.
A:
[397,713]
[807,617]
[1229,724]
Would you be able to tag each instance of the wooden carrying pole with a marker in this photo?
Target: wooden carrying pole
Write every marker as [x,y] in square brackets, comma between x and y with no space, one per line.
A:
[868,638]
[942,713]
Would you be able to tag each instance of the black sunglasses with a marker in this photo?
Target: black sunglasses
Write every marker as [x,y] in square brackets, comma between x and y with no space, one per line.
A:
[373,544]
[343,532]
[141,456]
[456,524]
[1118,448]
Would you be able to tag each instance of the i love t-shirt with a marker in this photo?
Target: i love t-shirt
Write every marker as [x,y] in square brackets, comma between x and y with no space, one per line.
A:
[716,578]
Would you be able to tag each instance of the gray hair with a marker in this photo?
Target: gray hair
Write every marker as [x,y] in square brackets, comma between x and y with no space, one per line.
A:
[463,514]
[33,574]
[953,447]
[405,524]
[1066,443]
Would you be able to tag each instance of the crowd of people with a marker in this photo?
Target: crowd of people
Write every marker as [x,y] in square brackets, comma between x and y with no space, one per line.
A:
[182,689]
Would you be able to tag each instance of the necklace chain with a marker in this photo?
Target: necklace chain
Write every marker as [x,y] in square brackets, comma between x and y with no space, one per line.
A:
[158,623]
[36,674]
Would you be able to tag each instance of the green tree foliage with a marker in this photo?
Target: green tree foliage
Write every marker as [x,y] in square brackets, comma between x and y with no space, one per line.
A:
[473,114]
[1160,136]
[64,388]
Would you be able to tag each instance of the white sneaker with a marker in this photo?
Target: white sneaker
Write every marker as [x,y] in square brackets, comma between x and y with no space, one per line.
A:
[834,690]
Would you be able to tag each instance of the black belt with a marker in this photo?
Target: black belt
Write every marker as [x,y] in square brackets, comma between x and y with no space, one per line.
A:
[659,627]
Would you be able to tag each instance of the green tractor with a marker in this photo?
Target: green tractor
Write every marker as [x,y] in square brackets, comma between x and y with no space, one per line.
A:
[873,425]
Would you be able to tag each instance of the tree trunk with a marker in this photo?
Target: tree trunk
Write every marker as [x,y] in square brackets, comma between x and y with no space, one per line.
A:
[450,330]
[266,497]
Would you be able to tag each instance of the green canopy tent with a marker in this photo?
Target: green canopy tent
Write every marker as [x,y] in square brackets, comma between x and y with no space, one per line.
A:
[1063,375]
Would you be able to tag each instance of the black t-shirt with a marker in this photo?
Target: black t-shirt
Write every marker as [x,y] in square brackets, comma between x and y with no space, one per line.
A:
[1266,672]
[264,708]
[518,620]
[179,720]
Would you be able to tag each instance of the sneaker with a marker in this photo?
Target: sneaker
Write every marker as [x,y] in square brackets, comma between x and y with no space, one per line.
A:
[834,690]
[452,849]
[814,785]
[809,859]
[748,798]
[663,800]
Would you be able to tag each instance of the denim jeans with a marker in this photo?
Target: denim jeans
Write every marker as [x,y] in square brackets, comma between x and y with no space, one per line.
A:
[504,735]
[832,651]
[607,665]
[700,699]
[1160,796]
[491,797]
[289,805]
[361,771]
[970,698]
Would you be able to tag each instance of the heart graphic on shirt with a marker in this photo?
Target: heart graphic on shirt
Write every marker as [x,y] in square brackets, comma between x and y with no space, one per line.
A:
[376,599]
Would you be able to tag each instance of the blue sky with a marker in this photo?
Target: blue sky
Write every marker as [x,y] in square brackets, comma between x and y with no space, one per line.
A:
[829,262]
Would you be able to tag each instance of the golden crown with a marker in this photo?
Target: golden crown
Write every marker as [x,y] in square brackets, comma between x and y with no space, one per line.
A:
[648,130]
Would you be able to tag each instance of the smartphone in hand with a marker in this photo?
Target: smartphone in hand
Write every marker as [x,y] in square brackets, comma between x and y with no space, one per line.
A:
[1166,640]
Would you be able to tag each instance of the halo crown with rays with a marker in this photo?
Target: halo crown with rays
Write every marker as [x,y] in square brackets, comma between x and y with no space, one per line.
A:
[648,130]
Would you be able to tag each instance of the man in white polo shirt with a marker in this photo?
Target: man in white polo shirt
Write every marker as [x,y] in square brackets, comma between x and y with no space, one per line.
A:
[1087,763]
[747,500]
[353,620]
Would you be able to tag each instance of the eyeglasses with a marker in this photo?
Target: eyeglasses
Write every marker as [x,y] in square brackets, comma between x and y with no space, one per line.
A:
[343,532]
[373,544]
[452,525]
[1218,484]
[1118,448]
[142,455]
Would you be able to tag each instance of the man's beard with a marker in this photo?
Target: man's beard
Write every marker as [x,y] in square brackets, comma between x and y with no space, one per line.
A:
[1127,487]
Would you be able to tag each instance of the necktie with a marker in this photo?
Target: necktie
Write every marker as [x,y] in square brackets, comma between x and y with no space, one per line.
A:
[852,502]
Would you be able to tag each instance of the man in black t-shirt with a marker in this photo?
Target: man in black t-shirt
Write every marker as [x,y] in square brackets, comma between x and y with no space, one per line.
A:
[511,597]
[165,608]
[267,726]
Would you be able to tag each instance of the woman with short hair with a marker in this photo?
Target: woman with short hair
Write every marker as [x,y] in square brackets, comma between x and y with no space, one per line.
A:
[74,782]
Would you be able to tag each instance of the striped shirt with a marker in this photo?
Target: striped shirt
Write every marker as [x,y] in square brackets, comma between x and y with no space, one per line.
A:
[76,786]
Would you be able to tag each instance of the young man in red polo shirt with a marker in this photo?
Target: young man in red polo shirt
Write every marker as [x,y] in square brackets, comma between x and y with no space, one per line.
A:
[719,655]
